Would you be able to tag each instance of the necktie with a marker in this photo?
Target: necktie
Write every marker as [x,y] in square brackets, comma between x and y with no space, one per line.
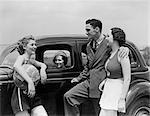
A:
[95,44]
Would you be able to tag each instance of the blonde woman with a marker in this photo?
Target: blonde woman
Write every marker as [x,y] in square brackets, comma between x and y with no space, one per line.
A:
[25,100]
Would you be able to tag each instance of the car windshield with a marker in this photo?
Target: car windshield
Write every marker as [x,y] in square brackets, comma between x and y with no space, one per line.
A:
[10,58]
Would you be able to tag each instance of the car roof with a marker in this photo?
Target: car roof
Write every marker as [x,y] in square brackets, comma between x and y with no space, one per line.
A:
[42,40]
[54,38]
[66,37]
[46,39]
[59,36]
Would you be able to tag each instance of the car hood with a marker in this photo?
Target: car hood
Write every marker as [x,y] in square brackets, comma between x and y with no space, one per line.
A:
[6,73]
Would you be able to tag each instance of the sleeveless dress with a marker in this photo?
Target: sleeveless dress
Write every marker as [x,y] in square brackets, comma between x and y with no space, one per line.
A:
[113,85]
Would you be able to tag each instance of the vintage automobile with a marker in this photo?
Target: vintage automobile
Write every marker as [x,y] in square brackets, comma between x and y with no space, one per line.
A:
[138,98]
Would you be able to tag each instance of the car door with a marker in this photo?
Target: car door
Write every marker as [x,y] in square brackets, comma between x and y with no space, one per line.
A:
[57,78]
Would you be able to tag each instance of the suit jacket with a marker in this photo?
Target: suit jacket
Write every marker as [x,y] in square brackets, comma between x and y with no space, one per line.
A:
[96,61]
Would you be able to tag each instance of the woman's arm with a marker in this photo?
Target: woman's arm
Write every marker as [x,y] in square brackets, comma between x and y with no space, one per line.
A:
[101,85]
[18,67]
[126,69]
[42,70]
[38,64]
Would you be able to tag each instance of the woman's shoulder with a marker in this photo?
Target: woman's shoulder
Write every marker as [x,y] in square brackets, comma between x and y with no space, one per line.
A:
[19,61]
[20,58]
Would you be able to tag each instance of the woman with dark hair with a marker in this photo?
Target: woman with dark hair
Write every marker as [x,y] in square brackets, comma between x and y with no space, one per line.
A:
[60,59]
[118,78]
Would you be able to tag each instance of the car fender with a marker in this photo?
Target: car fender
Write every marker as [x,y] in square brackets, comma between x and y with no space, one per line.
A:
[137,91]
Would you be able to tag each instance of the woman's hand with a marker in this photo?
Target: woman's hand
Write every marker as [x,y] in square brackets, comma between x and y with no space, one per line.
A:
[121,105]
[101,85]
[43,76]
[31,89]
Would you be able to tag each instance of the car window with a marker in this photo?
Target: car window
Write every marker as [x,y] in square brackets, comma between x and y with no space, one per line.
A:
[50,59]
[84,55]
[11,58]
[84,59]
[133,60]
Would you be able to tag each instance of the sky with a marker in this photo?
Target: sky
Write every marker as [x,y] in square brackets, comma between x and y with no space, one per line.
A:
[19,18]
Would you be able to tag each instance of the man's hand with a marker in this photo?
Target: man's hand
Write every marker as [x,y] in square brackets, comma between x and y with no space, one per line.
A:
[123,52]
[74,80]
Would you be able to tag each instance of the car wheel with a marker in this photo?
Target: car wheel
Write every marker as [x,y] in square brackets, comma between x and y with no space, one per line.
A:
[140,107]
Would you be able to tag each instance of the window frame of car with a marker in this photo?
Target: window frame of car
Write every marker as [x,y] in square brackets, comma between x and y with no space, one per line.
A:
[41,48]
[64,74]
[81,45]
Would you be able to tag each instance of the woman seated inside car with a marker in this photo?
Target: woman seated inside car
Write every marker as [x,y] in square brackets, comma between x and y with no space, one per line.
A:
[60,60]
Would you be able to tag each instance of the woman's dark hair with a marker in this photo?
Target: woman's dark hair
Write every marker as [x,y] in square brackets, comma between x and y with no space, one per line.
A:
[64,57]
[95,23]
[118,35]
[23,42]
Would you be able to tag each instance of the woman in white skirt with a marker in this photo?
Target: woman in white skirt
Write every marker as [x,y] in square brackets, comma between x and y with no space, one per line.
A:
[117,83]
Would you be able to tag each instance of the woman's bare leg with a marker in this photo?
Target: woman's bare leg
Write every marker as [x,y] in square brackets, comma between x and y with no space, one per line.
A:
[22,113]
[39,111]
[105,112]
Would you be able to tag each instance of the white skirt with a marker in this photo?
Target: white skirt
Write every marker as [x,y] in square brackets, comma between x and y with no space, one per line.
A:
[111,94]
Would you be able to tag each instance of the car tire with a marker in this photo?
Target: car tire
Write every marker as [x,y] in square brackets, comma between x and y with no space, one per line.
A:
[140,107]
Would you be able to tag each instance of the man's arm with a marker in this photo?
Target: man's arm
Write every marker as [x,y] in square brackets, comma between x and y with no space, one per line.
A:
[123,52]
[83,75]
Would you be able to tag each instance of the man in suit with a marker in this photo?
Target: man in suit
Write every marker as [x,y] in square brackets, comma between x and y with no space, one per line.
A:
[98,51]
